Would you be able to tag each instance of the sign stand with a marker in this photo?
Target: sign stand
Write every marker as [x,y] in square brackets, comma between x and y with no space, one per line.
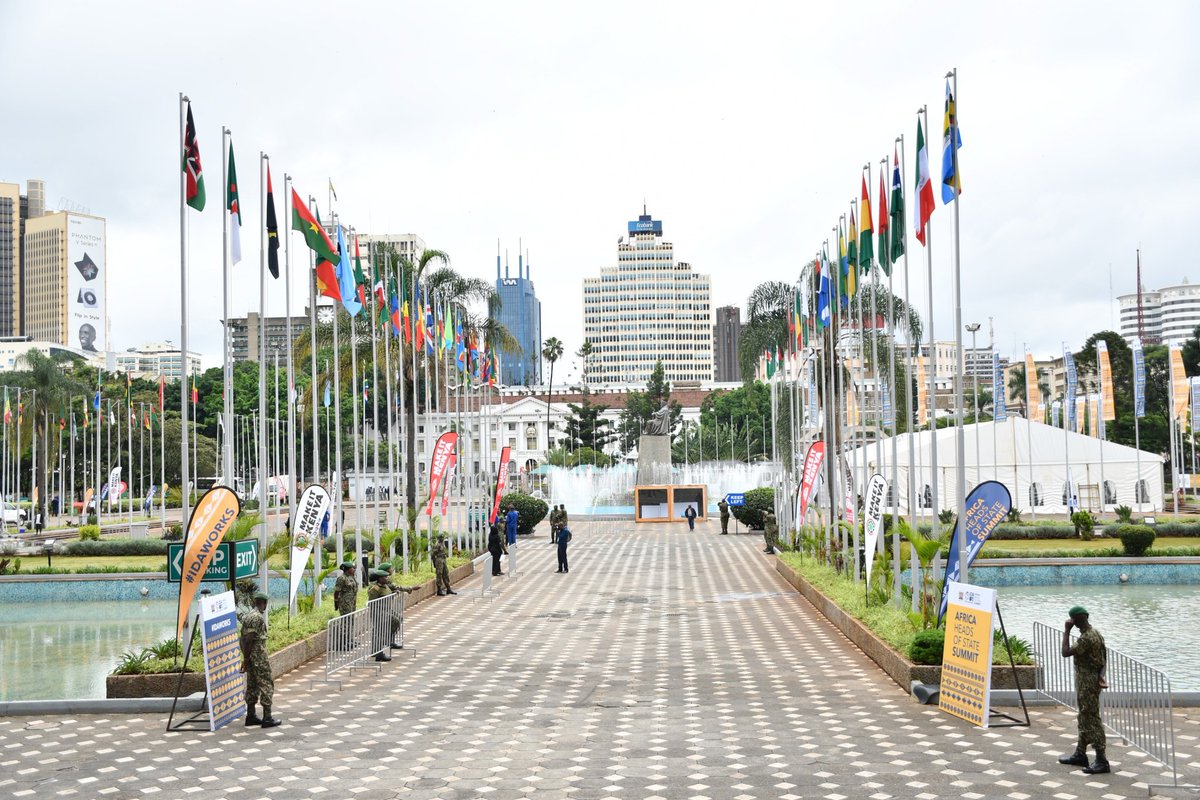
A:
[993,714]
[200,720]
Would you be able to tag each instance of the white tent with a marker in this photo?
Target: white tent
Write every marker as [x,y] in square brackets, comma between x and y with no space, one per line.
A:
[1003,454]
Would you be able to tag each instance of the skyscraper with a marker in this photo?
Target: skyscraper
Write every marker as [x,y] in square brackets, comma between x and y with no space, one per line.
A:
[65,275]
[648,308]
[520,312]
[10,259]
[727,336]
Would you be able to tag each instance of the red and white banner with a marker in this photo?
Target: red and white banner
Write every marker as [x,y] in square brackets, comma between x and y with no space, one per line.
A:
[812,471]
[849,498]
[446,481]
[501,481]
[443,453]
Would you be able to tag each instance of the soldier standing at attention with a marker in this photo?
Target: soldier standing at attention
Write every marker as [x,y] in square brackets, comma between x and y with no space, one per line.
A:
[379,588]
[259,683]
[554,523]
[439,555]
[1091,661]
[345,590]
[770,531]
[723,507]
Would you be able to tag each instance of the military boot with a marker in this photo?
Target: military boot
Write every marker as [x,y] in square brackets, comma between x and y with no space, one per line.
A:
[268,721]
[1099,766]
[1076,759]
[251,716]
[382,656]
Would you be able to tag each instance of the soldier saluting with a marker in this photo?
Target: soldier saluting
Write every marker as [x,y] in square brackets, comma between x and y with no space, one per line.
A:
[1091,661]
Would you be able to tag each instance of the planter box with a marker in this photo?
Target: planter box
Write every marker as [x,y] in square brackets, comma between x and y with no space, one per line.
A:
[898,668]
[282,661]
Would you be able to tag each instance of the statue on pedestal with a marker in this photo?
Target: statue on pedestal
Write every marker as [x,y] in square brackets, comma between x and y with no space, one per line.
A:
[659,423]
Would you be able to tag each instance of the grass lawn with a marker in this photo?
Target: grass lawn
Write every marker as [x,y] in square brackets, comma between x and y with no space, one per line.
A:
[159,564]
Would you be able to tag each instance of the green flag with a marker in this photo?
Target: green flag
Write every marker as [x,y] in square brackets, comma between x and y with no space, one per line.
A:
[897,210]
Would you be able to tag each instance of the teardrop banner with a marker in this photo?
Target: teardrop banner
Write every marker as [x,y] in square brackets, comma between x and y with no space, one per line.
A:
[306,532]
[873,517]
[812,469]
[446,481]
[501,483]
[987,506]
[848,500]
[442,453]
[211,518]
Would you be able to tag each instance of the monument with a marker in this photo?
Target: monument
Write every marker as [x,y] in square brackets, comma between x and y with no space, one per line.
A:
[656,498]
[654,449]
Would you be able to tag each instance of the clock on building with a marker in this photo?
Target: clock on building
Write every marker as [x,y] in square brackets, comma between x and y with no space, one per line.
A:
[325,315]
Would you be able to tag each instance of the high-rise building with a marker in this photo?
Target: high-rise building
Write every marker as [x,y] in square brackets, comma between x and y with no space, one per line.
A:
[727,337]
[648,308]
[65,273]
[1169,315]
[521,313]
[153,360]
[244,333]
[10,258]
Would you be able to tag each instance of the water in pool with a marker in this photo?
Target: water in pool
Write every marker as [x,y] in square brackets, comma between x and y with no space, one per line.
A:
[1159,625]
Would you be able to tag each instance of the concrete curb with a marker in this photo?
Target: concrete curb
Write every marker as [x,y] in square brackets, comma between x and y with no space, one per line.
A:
[120,705]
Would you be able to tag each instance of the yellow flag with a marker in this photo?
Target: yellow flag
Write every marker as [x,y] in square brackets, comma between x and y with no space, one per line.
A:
[1179,383]
[1032,398]
[1108,410]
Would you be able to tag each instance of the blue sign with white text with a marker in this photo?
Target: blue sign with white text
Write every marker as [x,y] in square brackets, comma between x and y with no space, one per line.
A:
[736,498]
[987,506]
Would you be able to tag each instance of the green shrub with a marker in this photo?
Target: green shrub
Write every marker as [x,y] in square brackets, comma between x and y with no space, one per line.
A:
[1014,514]
[530,510]
[1136,539]
[117,547]
[946,516]
[927,646]
[89,533]
[758,503]
[1124,514]
[1084,524]
[173,533]
[1022,652]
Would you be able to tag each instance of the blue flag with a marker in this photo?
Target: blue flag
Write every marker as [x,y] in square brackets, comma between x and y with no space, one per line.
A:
[327,400]
[1139,380]
[951,182]
[823,314]
[96,402]
[987,506]
[345,277]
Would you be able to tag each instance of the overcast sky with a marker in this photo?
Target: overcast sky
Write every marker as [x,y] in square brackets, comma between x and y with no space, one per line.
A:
[744,127]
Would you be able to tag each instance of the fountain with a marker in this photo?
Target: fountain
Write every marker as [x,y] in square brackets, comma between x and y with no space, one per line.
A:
[608,491]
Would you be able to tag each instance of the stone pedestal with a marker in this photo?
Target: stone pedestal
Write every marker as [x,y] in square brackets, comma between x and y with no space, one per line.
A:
[654,460]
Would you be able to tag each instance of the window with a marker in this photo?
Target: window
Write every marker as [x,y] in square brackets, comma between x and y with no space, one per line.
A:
[1140,493]
[1110,493]
[1035,495]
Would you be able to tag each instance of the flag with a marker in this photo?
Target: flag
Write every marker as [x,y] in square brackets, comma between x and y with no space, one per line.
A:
[96,400]
[1177,382]
[191,164]
[923,207]
[87,420]
[448,334]
[418,319]
[850,262]
[866,247]
[146,420]
[162,386]
[460,350]
[380,292]
[315,236]
[1032,394]
[823,294]
[235,212]
[798,321]
[394,307]
[7,408]
[407,320]
[951,144]
[897,243]
[345,276]
[272,228]
[328,401]
[885,260]
[195,391]
[332,191]
[366,390]
[1108,405]
[1139,379]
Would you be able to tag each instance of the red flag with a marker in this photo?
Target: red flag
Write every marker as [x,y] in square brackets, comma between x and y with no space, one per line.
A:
[501,480]
[327,282]
[191,164]
[162,385]
[443,452]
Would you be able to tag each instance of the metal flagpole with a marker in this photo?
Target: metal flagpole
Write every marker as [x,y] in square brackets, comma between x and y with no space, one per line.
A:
[913,345]
[933,459]
[354,435]
[69,496]
[312,327]
[227,362]
[335,458]
[183,324]
[402,456]
[294,477]
[375,442]
[264,536]
[959,434]
[385,330]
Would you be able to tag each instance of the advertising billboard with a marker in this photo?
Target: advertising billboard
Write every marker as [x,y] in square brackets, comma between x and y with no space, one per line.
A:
[86,278]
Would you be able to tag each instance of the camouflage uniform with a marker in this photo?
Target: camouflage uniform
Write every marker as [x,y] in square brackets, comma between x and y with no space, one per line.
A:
[243,595]
[1090,658]
[723,507]
[260,686]
[398,614]
[770,532]
[439,555]
[345,593]
[378,589]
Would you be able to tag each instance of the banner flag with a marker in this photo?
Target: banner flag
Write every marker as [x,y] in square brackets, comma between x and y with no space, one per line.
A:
[306,532]
[1179,383]
[922,393]
[848,495]
[1093,406]
[966,690]
[1079,414]
[987,506]
[1107,399]
[1139,379]
[812,471]
[443,451]
[211,518]
[999,400]
[1072,387]
[114,480]
[501,482]
[874,500]
[1032,398]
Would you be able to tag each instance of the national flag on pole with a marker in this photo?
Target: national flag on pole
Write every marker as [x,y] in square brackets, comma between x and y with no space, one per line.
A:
[162,388]
[146,420]
[885,258]
[418,319]
[315,236]
[7,408]
[366,390]
[195,391]
[96,400]
[332,191]
[850,265]
[345,276]
[191,164]
[272,227]
[360,278]
[429,328]
[897,243]
[923,205]
[823,294]
[951,144]
[378,289]
[866,247]
[235,212]
[404,307]
[394,307]
[328,396]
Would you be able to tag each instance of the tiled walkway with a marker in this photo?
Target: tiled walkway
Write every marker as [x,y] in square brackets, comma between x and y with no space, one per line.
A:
[665,664]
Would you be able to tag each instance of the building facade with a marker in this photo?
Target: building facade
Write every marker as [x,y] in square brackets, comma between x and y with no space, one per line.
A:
[648,308]
[16,209]
[65,274]
[1169,314]
[244,333]
[14,348]
[727,337]
[153,360]
[521,313]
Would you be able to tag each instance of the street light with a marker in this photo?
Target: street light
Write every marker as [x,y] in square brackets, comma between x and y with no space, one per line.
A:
[973,328]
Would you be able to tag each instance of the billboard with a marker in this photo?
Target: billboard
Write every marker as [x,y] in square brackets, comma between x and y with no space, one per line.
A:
[86,278]
[646,225]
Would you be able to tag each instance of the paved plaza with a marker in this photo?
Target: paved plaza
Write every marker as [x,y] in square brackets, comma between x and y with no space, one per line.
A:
[665,665]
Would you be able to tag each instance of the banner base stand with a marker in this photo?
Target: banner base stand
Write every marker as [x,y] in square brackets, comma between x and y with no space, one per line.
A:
[200,720]
[1013,722]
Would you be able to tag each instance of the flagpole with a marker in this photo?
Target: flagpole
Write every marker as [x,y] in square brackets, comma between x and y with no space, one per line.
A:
[402,424]
[959,434]
[375,439]
[227,365]
[294,478]
[264,535]
[874,269]
[933,450]
[185,506]
[354,437]
[335,458]
[312,326]
[386,331]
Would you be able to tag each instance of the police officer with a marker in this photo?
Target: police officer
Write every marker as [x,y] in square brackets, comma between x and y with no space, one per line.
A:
[259,683]
[1091,662]
[439,555]
[723,507]
[379,623]
[770,532]
[345,590]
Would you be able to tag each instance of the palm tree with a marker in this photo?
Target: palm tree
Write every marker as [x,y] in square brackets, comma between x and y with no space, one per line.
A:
[552,351]
[50,386]
[766,327]
[584,351]
[1016,385]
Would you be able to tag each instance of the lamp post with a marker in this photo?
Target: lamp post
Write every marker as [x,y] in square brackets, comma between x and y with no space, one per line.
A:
[973,328]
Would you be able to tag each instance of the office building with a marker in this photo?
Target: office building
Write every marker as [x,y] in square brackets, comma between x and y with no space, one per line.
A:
[64,273]
[157,359]
[1169,315]
[521,313]
[727,336]
[648,308]
[14,348]
[244,333]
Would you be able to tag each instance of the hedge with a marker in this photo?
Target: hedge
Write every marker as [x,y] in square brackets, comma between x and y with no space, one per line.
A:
[758,503]
[1136,539]
[116,547]
[530,510]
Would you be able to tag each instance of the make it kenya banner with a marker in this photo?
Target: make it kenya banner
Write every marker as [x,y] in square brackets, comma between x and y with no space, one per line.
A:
[812,469]
[211,518]
[501,482]
[443,451]
[306,532]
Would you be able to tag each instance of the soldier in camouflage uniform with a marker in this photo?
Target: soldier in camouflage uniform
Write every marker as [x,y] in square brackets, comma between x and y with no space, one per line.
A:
[345,591]
[243,595]
[723,507]
[439,555]
[259,683]
[555,524]
[770,532]
[379,588]
[1091,661]
[397,615]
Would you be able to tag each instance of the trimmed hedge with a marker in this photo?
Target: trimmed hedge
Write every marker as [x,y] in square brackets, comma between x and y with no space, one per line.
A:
[117,547]
[758,503]
[530,510]
[1136,539]
[927,646]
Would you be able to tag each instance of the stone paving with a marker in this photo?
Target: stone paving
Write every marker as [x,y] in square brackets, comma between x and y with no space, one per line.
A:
[665,665]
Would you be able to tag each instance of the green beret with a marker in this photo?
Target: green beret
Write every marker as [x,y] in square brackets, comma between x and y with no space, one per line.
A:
[385,565]
[1077,611]
[378,574]
[260,596]
[347,565]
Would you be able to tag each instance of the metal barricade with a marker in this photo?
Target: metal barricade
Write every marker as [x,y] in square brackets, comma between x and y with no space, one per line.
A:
[1136,706]
[353,638]
[483,563]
